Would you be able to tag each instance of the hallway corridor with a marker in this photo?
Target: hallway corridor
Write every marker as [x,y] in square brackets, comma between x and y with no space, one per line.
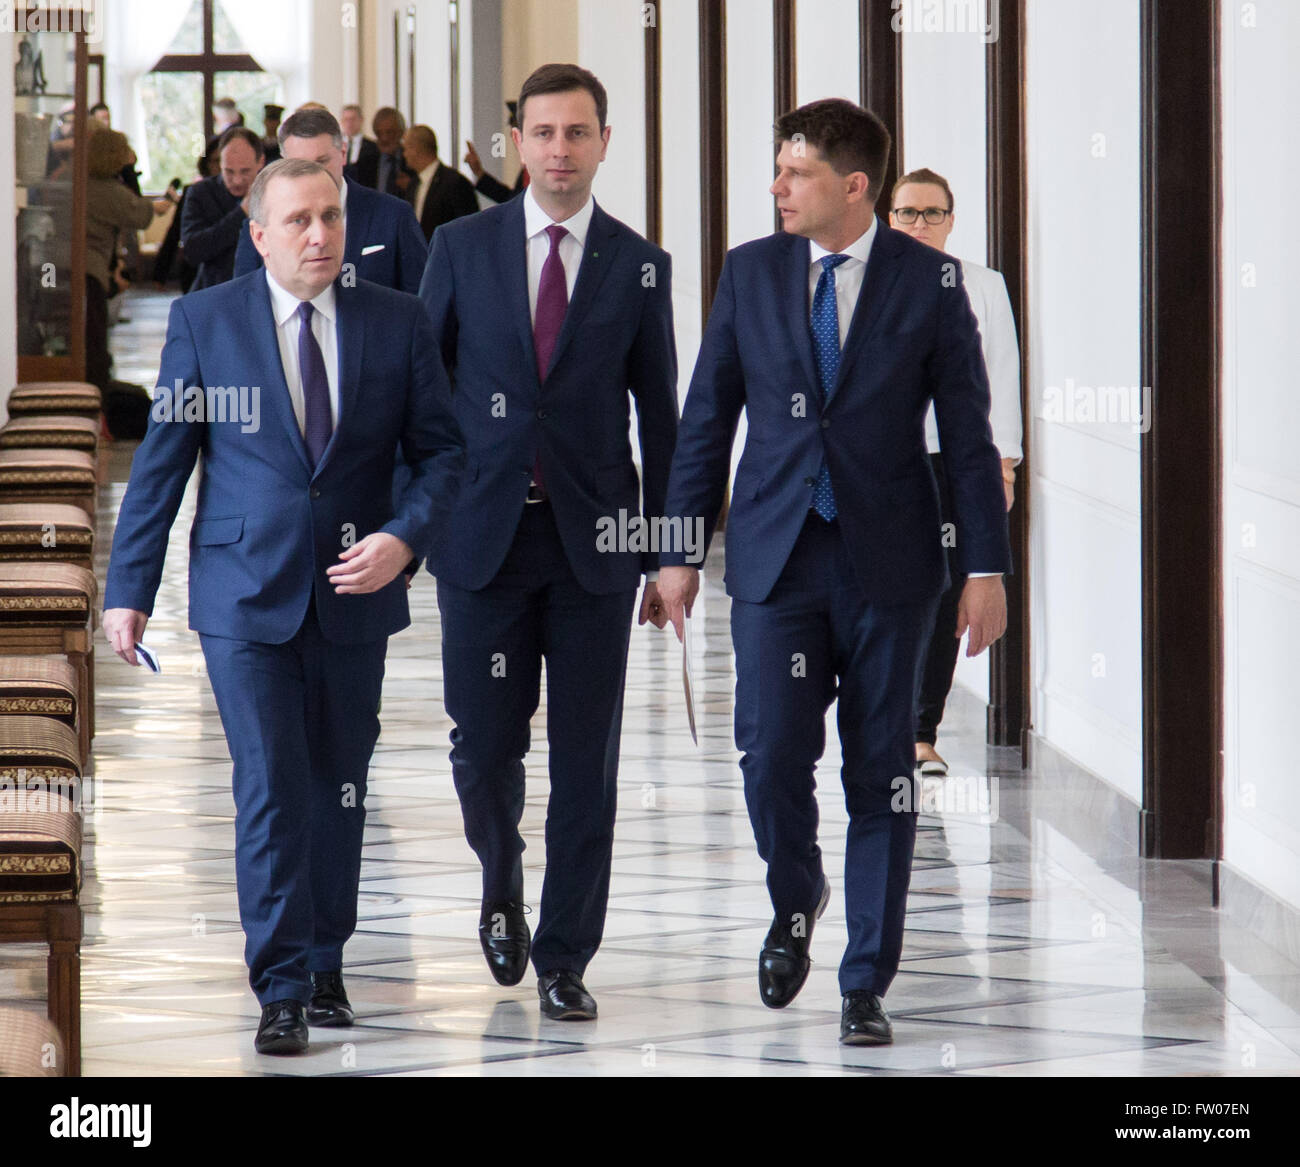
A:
[1036,944]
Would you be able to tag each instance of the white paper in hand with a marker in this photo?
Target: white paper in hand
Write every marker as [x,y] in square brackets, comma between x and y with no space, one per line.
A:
[688,684]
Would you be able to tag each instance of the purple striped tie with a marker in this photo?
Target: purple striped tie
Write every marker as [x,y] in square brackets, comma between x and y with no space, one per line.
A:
[552,304]
[317,424]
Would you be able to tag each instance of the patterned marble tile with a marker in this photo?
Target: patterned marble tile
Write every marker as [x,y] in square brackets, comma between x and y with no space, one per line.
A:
[1038,943]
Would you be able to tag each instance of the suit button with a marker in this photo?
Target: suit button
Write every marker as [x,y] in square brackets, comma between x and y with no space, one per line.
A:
[541,414]
[826,423]
[810,482]
[315,493]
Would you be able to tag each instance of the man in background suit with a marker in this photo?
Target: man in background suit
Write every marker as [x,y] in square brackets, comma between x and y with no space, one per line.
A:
[386,169]
[440,194]
[216,209]
[488,185]
[382,240]
[296,561]
[834,335]
[548,312]
[355,144]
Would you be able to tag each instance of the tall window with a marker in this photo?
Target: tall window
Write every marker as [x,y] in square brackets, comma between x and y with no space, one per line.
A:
[205,61]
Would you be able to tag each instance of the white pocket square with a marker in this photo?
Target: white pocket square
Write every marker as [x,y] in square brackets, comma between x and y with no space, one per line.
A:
[372,249]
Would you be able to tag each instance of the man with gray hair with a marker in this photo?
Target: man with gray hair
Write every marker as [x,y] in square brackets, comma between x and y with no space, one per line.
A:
[296,561]
[383,242]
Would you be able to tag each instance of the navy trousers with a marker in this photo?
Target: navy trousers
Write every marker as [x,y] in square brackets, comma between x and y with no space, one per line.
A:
[493,643]
[301,721]
[813,638]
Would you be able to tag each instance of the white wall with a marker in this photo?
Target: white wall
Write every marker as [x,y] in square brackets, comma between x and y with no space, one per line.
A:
[1261,432]
[1082,65]
[611,43]
[680,115]
[943,129]
[826,48]
[943,124]
[751,150]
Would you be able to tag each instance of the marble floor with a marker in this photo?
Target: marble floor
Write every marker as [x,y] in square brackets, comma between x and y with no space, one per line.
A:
[1026,952]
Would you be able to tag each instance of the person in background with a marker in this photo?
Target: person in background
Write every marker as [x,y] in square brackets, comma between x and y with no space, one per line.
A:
[922,205]
[130,175]
[441,194]
[382,240]
[355,144]
[271,115]
[111,209]
[216,209]
[225,116]
[488,185]
[385,170]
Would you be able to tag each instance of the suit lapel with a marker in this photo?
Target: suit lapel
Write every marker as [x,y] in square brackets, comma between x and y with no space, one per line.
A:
[877,282]
[266,351]
[512,262]
[358,226]
[349,333]
[597,257]
[798,268]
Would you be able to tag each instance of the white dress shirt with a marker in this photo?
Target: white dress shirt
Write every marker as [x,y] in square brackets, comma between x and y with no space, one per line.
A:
[324,326]
[848,276]
[536,221]
[422,191]
[848,287]
[354,147]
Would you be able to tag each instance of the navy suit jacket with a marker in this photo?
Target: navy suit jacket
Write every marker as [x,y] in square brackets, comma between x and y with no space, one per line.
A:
[913,338]
[617,337]
[211,223]
[266,526]
[383,241]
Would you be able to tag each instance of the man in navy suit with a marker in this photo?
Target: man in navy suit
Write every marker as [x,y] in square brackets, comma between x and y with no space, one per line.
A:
[296,560]
[382,238]
[834,335]
[548,312]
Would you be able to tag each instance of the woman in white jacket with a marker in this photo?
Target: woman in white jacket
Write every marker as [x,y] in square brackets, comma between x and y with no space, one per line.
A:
[923,207]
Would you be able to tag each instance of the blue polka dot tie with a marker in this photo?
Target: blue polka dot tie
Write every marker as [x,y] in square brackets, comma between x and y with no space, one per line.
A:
[826,353]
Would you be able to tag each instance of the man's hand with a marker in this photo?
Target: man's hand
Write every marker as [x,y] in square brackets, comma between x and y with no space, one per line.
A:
[475,165]
[678,587]
[1009,480]
[652,606]
[982,609]
[369,565]
[124,628]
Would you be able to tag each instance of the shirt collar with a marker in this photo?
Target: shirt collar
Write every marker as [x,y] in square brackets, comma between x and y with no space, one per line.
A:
[284,304]
[426,175]
[537,220]
[859,249]
[343,197]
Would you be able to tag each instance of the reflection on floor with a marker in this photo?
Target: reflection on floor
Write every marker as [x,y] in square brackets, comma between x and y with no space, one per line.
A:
[1025,953]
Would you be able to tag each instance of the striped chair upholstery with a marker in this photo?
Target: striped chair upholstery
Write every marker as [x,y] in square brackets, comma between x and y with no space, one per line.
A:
[50,431]
[46,532]
[75,398]
[48,476]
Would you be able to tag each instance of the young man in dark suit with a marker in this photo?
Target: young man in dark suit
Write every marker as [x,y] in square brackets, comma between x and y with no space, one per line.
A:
[296,561]
[834,335]
[548,313]
[382,241]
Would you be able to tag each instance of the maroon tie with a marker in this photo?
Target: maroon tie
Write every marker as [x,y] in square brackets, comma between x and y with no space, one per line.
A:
[552,303]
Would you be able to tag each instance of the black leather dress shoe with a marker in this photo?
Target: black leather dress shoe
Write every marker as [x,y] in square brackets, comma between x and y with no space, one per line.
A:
[863,1020]
[783,961]
[282,1030]
[329,1005]
[506,940]
[564,997]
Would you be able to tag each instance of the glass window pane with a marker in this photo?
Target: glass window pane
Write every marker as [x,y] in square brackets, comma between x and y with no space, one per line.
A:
[224,37]
[251,92]
[173,115]
[189,39]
